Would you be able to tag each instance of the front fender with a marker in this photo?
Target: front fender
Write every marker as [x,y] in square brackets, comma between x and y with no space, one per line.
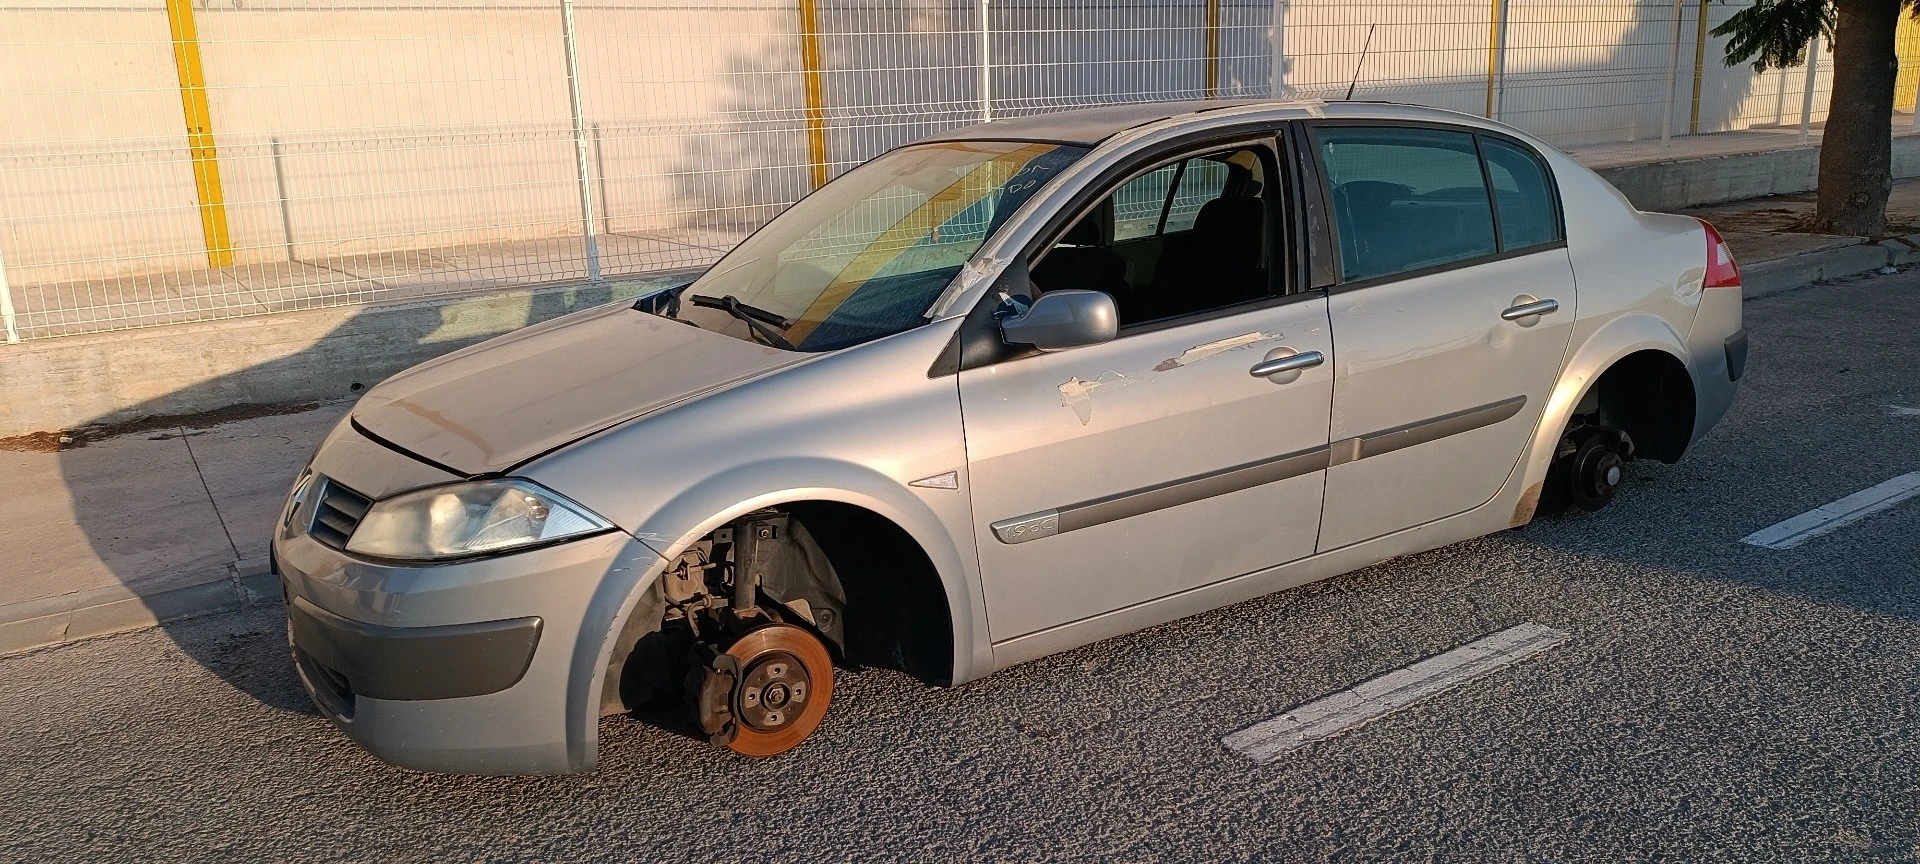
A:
[717,500]
[1592,356]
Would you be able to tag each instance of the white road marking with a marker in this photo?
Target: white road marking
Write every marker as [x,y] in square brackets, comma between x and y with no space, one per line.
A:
[1828,518]
[1903,411]
[1376,698]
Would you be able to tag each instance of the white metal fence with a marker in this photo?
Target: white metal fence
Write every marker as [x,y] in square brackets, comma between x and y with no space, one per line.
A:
[176,160]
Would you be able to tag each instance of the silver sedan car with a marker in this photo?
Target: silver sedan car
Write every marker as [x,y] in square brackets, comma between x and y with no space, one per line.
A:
[996,394]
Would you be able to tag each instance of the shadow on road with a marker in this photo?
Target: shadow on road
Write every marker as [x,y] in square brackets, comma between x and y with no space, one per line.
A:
[145,531]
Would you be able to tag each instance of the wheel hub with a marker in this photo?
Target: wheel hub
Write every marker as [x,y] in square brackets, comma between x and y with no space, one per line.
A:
[773,691]
[1597,464]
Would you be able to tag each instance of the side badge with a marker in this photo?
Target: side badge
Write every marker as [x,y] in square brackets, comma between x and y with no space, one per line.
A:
[949,480]
[1024,528]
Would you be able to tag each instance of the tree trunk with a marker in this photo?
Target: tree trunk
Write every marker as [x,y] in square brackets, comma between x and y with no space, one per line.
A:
[1856,151]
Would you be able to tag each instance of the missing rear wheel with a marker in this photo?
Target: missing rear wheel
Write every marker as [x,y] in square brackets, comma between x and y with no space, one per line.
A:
[1587,470]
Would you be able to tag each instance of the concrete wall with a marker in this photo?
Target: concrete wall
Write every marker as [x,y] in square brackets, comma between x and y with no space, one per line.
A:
[1682,183]
[287,358]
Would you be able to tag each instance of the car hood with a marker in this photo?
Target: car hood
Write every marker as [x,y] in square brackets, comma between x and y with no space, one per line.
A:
[492,406]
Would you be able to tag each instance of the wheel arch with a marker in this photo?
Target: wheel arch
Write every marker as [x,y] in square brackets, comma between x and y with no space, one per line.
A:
[1588,363]
[718,500]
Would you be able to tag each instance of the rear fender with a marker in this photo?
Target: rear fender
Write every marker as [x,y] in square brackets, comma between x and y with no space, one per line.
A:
[1592,357]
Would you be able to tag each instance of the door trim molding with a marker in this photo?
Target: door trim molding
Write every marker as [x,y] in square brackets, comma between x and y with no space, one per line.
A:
[1421,431]
[1186,490]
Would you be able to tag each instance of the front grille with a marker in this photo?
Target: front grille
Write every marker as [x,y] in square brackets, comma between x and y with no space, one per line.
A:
[336,513]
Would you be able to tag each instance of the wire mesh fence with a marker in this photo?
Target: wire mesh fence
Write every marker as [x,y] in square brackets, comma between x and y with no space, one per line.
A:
[175,160]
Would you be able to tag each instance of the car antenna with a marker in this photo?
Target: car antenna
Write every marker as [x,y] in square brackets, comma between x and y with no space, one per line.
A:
[1361,62]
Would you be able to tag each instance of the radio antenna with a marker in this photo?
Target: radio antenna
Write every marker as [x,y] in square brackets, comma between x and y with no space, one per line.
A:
[1361,62]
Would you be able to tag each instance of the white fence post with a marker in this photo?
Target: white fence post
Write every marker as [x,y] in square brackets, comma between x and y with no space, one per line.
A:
[1497,79]
[6,303]
[1278,80]
[1806,99]
[1673,75]
[581,163]
[986,62]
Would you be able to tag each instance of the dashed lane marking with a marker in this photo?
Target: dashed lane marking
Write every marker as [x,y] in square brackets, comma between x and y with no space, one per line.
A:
[1377,697]
[1828,518]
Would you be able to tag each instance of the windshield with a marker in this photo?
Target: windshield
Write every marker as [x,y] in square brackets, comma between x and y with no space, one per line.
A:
[866,255]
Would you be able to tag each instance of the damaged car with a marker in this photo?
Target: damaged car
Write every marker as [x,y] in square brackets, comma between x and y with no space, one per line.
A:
[992,395]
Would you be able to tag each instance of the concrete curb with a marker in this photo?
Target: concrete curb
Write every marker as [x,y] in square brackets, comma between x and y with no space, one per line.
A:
[1781,274]
[241,584]
[117,609]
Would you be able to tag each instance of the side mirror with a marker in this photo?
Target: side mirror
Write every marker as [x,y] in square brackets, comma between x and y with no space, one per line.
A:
[1064,319]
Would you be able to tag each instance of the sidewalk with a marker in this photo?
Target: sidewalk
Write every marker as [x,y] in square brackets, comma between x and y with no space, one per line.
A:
[131,531]
[173,522]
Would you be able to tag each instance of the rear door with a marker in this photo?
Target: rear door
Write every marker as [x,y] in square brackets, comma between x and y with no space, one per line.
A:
[1442,379]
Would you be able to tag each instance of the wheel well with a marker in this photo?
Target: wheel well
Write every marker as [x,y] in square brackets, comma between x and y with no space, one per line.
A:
[1648,395]
[897,616]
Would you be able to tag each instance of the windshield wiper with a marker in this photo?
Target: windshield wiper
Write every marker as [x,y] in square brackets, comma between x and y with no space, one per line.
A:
[759,321]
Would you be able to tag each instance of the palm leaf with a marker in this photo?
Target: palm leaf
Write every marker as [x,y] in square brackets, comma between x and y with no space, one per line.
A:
[1774,34]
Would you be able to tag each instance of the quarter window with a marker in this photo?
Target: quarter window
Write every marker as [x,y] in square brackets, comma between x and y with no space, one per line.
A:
[1522,194]
[1405,198]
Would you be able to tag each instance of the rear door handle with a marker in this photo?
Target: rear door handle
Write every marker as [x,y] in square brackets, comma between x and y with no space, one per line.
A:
[1289,363]
[1528,310]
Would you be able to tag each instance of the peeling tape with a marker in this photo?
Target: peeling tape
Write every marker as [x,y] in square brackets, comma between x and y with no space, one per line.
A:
[1201,352]
[1077,394]
[977,271]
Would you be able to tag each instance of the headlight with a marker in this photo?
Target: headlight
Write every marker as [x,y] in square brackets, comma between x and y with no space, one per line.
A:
[296,498]
[469,519]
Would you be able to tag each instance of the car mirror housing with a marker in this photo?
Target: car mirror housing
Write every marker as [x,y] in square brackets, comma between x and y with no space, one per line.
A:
[1064,319]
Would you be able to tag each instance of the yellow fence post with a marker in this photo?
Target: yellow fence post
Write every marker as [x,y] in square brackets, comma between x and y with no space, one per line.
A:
[1213,49]
[1699,68]
[206,162]
[815,93]
[1906,82]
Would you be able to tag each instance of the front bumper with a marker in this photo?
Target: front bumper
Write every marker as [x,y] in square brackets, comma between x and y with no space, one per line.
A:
[488,666]
[408,663]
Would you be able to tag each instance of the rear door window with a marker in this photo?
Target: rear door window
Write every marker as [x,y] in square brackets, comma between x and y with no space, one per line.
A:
[1404,199]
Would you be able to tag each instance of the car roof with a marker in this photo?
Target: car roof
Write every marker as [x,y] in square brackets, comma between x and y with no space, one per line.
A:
[1085,126]
[1091,126]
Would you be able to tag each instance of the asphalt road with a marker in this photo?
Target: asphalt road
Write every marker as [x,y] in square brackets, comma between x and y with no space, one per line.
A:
[1715,701]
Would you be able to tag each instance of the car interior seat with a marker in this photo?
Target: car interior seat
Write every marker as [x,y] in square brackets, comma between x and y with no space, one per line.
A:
[1082,261]
[1219,265]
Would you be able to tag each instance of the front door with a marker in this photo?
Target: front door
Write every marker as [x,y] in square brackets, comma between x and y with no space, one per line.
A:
[1441,379]
[1109,475]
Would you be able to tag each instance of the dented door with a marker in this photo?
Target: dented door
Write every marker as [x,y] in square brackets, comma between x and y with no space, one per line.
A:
[1114,474]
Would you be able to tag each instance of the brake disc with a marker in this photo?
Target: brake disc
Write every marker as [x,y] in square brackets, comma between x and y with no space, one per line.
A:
[784,687]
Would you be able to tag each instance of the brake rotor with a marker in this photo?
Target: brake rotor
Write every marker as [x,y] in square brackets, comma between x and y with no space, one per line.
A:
[786,683]
[1597,469]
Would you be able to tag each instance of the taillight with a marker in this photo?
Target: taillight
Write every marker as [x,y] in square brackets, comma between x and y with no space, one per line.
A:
[1722,272]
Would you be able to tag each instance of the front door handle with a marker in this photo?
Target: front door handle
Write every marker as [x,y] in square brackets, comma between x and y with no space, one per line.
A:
[1530,309]
[1289,363]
